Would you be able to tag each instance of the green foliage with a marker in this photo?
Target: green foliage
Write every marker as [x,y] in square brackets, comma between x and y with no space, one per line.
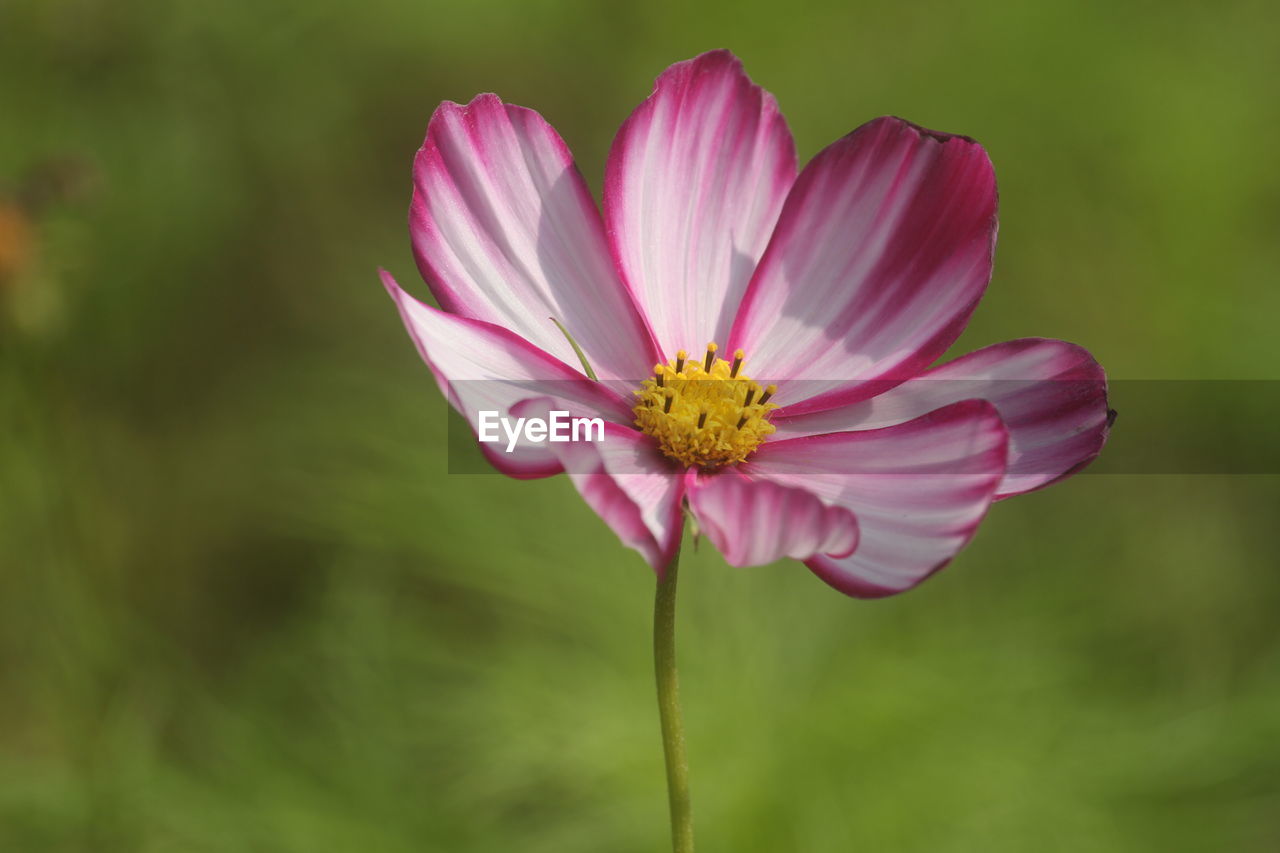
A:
[244,607]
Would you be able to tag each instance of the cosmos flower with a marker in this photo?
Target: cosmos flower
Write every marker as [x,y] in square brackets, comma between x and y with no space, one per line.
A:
[758,341]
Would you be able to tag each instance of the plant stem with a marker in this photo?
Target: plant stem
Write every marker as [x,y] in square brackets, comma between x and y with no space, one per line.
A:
[664,663]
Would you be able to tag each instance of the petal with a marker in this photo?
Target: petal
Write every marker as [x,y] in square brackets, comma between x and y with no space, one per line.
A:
[629,484]
[754,522]
[1051,395]
[694,184]
[918,491]
[881,253]
[483,367]
[505,231]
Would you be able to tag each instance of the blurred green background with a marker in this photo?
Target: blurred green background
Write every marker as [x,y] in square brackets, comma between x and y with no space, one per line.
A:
[244,608]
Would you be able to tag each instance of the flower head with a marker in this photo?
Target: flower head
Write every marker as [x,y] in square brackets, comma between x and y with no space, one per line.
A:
[817,430]
[704,413]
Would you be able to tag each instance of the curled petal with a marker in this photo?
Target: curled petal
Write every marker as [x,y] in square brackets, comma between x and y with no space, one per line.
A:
[918,490]
[754,522]
[1051,395]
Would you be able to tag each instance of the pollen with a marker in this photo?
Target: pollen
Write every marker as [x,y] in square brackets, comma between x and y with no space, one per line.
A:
[704,412]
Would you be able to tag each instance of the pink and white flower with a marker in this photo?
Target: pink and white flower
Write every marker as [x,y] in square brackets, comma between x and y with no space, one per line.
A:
[841,285]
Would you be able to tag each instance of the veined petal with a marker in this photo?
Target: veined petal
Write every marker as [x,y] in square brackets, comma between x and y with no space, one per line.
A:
[754,522]
[695,180]
[483,367]
[628,483]
[881,253]
[1051,395]
[505,231]
[918,491]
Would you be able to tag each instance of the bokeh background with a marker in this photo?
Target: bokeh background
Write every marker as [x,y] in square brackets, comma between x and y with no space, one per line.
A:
[244,607]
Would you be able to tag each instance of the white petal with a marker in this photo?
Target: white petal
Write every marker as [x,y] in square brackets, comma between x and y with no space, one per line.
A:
[506,232]
[880,255]
[695,180]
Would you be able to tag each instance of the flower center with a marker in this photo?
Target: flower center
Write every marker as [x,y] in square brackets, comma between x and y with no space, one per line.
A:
[709,413]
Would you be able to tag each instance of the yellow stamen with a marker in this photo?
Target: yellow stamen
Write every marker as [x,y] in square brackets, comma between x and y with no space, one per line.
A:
[707,418]
[738,356]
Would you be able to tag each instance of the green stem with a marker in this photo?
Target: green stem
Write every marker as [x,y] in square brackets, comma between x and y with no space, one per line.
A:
[664,663]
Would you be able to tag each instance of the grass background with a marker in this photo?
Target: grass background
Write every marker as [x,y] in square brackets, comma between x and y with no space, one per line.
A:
[244,608]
